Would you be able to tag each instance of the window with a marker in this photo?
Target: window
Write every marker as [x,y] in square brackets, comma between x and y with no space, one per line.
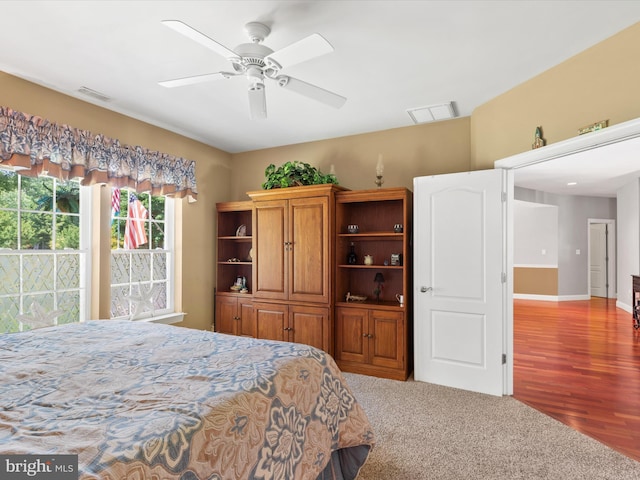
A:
[141,255]
[42,264]
[44,254]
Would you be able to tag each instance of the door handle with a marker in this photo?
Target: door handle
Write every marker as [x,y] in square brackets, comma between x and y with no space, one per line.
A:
[426,289]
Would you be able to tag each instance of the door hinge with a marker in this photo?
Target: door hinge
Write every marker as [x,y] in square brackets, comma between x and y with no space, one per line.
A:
[504,277]
[504,197]
[504,358]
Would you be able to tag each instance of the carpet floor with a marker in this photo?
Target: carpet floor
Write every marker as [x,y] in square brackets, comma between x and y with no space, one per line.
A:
[426,431]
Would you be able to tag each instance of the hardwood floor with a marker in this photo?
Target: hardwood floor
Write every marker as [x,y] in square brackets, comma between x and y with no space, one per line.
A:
[579,362]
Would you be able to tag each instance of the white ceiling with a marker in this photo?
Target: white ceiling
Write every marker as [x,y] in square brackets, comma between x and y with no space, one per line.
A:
[389,56]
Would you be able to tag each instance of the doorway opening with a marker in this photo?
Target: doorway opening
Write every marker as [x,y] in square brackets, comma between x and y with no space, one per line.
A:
[602,258]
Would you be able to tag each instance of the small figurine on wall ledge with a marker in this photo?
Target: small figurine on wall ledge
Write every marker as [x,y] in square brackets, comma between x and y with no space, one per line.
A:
[538,141]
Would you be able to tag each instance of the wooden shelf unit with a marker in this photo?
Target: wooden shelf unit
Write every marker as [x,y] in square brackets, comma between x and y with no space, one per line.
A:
[374,337]
[234,312]
[298,274]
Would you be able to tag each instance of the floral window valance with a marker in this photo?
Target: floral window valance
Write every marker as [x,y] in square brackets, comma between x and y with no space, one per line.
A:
[35,146]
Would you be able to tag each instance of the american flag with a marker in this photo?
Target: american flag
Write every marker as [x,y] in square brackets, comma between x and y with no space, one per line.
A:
[115,202]
[134,232]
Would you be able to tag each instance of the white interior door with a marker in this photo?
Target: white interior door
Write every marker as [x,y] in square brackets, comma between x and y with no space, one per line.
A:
[462,318]
[602,258]
[598,259]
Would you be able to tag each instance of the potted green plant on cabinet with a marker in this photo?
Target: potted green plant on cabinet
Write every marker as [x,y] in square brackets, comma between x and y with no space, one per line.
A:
[295,174]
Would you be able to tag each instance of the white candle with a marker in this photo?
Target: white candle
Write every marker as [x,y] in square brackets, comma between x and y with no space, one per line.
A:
[379,166]
[332,170]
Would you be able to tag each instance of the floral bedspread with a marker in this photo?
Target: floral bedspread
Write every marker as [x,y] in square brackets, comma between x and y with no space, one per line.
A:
[138,400]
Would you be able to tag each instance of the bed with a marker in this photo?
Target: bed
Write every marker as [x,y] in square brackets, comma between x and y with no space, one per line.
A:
[138,400]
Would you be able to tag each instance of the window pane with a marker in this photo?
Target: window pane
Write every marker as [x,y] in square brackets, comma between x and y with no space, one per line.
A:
[36,231]
[10,274]
[160,296]
[157,208]
[159,266]
[119,268]
[8,189]
[67,231]
[143,224]
[37,194]
[143,290]
[157,235]
[38,273]
[68,197]
[44,300]
[8,229]
[68,271]
[119,301]
[140,267]
[9,311]
[117,233]
[69,303]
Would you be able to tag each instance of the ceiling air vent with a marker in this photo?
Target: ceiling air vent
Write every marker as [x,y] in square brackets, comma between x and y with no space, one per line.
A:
[432,113]
[92,93]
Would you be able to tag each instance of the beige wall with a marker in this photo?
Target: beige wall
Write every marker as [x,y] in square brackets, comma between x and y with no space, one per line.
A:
[197,235]
[535,281]
[408,152]
[600,83]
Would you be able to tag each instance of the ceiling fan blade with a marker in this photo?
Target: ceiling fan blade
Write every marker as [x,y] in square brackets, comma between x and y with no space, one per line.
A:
[181,82]
[199,37]
[316,93]
[257,102]
[309,47]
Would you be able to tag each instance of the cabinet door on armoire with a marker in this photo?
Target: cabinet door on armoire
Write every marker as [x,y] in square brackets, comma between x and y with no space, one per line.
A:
[235,316]
[309,267]
[271,218]
[294,244]
[293,323]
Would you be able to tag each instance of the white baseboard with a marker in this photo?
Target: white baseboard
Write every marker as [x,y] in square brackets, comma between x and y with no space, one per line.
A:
[550,298]
[528,296]
[569,298]
[624,306]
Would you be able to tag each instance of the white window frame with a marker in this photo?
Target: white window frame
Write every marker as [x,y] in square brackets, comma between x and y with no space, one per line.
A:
[84,266]
[167,315]
[87,231]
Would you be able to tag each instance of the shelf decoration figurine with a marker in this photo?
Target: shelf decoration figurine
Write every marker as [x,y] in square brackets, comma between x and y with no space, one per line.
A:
[379,170]
[352,258]
[379,281]
[538,141]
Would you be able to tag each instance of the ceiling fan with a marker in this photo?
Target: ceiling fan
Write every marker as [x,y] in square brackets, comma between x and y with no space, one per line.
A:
[256,62]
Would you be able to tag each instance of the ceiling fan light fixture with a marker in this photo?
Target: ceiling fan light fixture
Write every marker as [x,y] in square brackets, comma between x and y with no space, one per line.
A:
[255,76]
[432,113]
[256,61]
[257,31]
